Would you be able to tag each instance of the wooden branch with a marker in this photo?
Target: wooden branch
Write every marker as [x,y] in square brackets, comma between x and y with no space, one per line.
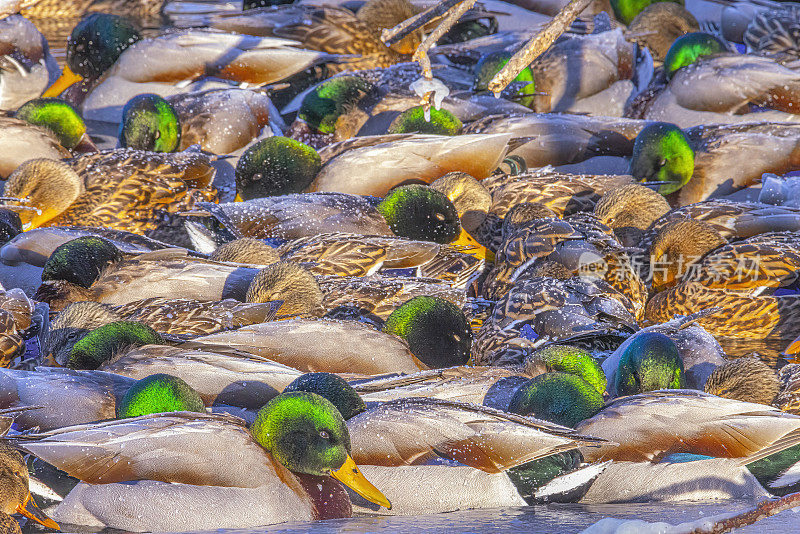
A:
[762,511]
[421,54]
[538,44]
[393,35]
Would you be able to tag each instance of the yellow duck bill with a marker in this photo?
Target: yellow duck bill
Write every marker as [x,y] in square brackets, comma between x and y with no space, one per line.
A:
[31,511]
[67,79]
[351,476]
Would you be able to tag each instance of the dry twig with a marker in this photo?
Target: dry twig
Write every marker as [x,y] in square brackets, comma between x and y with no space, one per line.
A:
[538,44]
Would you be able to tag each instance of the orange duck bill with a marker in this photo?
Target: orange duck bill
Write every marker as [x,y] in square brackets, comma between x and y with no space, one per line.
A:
[351,476]
[30,510]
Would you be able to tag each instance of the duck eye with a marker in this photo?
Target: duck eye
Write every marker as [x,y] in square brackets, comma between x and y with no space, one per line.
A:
[158,134]
[257,176]
[324,434]
[440,216]
[662,163]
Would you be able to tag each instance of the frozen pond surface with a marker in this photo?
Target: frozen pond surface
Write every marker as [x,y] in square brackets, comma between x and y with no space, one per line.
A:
[544,519]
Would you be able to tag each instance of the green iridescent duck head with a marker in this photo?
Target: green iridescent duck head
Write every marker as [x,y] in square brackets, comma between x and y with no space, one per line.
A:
[306,434]
[102,344]
[159,393]
[324,105]
[561,398]
[57,116]
[420,212]
[661,152]
[437,331]
[744,379]
[650,362]
[413,120]
[288,282]
[332,387]
[490,64]
[276,166]
[626,10]
[567,359]
[149,123]
[80,261]
[687,48]
[94,45]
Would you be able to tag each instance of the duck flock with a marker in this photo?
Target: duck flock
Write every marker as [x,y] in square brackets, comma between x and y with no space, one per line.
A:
[294,261]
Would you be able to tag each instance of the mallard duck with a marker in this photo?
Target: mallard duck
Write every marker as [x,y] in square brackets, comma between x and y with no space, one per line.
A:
[489,386]
[28,67]
[176,317]
[769,31]
[747,379]
[728,277]
[35,246]
[16,314]
[566,140]
[560,194]
[582,244]
[650,362]
[700,354]
[121,189]
[270,469]
[332,29]
[689,423]
[226,382]
[424,332]
[116,64]
[612,62]
[538,309]
[420,157]
[659,24]
[223,121]
[750,379]
[707,161]
[92,268]
[722,86]
[14,493]
[484,439]
[637,214]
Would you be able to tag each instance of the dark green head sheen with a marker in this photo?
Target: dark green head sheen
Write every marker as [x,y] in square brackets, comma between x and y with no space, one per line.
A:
[687,48]
[332,387]
[560,398]
[490,64]
[276,166]
[650,362]
[412,120]
[420,212]
[149,123]
[57,116]
[159,393]
[102,344]
[96,43]
[436,330]
[304,432]
[626,10]
[323,106]
[575,361]
[81,260]
[662,153]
